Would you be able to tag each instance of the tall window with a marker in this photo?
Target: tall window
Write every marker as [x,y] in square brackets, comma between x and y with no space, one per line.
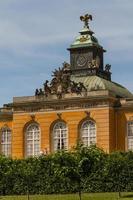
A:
[32,140]
[130,135]
[6,141]
[60,136]
[88,132]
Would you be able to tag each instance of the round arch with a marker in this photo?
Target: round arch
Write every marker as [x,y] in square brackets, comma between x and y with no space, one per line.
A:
[58,135]
[87,131]
[32,139]
[5,140]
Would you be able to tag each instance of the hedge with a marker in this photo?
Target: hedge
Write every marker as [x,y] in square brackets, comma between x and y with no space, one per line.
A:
[87,169]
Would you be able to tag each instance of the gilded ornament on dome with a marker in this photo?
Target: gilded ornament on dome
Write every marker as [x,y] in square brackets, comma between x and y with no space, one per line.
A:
[83,38]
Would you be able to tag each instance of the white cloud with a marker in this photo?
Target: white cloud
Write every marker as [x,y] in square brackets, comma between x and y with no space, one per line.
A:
[29,29]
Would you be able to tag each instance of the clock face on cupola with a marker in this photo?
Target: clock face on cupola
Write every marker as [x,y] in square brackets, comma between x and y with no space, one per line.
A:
[85,51]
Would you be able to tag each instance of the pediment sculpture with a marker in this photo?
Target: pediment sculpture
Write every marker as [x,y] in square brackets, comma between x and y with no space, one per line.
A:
[61,83]
[107,68]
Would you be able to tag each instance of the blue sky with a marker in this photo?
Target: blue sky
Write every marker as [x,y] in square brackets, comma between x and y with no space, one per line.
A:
[34,36]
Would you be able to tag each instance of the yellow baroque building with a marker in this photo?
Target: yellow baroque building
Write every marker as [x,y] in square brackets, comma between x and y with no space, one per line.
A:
[80,102]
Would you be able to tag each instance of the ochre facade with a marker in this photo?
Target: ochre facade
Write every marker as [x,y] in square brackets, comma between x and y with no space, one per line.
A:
[111,128]
[81,96]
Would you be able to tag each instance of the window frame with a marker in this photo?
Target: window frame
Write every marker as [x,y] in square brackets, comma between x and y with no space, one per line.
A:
[60,138]
[32,140]
[88,133]
[127,137]
[6,144]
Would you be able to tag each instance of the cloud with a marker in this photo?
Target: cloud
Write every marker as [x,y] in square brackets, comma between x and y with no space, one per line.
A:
[34,35]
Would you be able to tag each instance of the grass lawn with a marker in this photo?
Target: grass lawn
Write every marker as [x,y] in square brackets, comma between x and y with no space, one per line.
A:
[94,196]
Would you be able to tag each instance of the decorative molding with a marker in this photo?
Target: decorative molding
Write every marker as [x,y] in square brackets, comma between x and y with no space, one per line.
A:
[59,115]
[4,117]
[32,117]
[87,113]
[62,106]
[61,84]
[5,126]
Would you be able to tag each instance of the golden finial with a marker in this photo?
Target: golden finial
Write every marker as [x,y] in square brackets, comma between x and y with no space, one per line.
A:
[86,19]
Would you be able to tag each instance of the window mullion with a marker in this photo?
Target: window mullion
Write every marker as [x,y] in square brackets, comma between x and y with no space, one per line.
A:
[60,139]
[88,130]
[6,142]
[33,137]
[58,136]
[32,140]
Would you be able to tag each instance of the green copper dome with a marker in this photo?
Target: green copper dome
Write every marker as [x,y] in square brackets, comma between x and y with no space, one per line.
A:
[86,38]
[95,83]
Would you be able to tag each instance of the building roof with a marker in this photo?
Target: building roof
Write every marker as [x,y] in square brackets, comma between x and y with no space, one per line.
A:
[86,37]
[85,40]
[96,83]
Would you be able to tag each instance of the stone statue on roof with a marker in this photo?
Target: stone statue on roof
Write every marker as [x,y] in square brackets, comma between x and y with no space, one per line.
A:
[61,83]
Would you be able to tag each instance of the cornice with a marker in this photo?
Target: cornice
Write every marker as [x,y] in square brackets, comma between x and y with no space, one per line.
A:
[64,104]
[6,116]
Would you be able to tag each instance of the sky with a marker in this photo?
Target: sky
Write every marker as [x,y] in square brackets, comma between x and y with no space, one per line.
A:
[35,35]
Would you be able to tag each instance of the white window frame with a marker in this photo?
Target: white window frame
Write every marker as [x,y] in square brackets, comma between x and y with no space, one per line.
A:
[129,137]
[58,138]
[88,130]
[6,145]
[32,139]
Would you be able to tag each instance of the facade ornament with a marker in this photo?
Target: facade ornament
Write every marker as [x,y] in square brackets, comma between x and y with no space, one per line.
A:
[5,126]
[47,88]
[61,83]
[86,19]
[83,38]
[66,66]
[87,113]
[107,67]
[59,115]
[32,117]
[93,64]
[36,92]
[39,92]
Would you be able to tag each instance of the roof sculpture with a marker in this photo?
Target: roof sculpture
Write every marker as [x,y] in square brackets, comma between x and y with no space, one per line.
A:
[94,79]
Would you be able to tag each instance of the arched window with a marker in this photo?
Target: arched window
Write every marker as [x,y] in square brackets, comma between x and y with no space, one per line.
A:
[32,140]
[6,141]
[88,132]
[60,136]
[130,135]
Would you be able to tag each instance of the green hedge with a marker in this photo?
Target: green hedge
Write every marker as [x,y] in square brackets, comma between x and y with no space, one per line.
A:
[83,169]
